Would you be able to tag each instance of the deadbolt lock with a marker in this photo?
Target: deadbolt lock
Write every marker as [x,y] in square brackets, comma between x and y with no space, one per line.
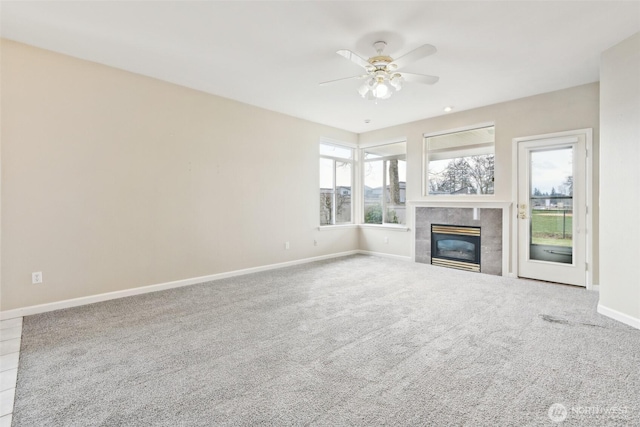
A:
[522,211]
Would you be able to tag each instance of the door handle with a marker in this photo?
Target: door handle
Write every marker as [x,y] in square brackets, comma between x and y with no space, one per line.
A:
[522,211]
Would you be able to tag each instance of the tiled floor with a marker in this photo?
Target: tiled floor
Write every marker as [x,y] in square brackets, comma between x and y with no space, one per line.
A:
[10,333]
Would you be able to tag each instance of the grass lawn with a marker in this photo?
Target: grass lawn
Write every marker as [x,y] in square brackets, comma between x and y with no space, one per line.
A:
[547,227]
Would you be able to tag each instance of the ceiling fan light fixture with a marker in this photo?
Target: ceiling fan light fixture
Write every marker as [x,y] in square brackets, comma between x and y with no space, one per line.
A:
[367,88]
[382,91]
[396,81]
[363,90]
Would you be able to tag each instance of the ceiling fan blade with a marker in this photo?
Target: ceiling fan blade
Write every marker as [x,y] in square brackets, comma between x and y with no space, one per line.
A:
[418,53]
[420,78]
[344,78]
[354,58]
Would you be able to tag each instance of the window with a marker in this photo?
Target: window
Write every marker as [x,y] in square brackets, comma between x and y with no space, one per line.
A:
[460,162]
[336,177]
[385,179]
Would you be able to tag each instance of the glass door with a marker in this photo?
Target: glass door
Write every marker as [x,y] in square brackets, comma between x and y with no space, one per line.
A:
[552,210]
[551,205]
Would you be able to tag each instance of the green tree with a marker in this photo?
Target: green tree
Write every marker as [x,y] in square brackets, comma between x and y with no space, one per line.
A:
[373,214]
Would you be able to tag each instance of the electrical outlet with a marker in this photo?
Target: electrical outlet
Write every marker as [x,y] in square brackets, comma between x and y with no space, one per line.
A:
[315,243]
[286,245]
[386,240]
[36,277]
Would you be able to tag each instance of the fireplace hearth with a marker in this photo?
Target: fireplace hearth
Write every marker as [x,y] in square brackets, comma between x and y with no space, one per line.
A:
[455,246]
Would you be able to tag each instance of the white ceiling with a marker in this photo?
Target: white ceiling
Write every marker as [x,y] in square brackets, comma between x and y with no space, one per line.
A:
[273,54]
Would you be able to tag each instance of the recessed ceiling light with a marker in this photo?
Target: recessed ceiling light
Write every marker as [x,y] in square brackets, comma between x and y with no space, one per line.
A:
[448,109]
[367,120]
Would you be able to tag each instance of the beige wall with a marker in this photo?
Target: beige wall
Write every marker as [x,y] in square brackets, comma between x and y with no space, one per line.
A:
[620,178]
[112,180]
[569,109]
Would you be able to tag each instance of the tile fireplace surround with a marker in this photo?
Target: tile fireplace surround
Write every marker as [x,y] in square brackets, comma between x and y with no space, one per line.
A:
[491,220]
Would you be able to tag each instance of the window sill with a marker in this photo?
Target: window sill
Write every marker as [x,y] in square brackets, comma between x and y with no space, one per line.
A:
[336,227]
[372,226]
[385,227]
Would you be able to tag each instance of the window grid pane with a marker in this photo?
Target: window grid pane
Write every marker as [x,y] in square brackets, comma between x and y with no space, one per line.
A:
[327,190]
[373,179]
[336,181]
[343,192]
[384,189]
[463,163]
[395,194]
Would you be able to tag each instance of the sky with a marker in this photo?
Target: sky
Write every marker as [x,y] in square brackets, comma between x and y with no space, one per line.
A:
[550,168]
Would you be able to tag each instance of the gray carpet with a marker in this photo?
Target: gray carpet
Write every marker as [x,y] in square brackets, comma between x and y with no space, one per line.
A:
[352,341]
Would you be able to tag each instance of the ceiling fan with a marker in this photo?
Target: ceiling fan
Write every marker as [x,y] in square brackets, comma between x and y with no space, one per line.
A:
[382,75]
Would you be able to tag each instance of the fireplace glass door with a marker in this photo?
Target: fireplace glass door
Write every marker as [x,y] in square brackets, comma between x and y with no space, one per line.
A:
[457,249]
[455,246]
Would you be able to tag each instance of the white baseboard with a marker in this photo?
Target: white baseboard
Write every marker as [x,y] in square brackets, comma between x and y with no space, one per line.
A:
[75,302]
[620,317]
[383,255]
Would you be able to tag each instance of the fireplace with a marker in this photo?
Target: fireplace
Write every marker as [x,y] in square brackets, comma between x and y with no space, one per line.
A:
[455,246]
[493,218]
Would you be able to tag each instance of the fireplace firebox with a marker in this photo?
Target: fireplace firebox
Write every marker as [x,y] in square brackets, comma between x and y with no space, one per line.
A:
[455,246]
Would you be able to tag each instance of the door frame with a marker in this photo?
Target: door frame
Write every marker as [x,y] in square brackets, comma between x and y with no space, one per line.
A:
[590,223]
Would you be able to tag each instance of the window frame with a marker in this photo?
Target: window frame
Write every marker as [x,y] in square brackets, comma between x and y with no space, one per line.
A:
[352,161]
[461,149]
[384,159]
